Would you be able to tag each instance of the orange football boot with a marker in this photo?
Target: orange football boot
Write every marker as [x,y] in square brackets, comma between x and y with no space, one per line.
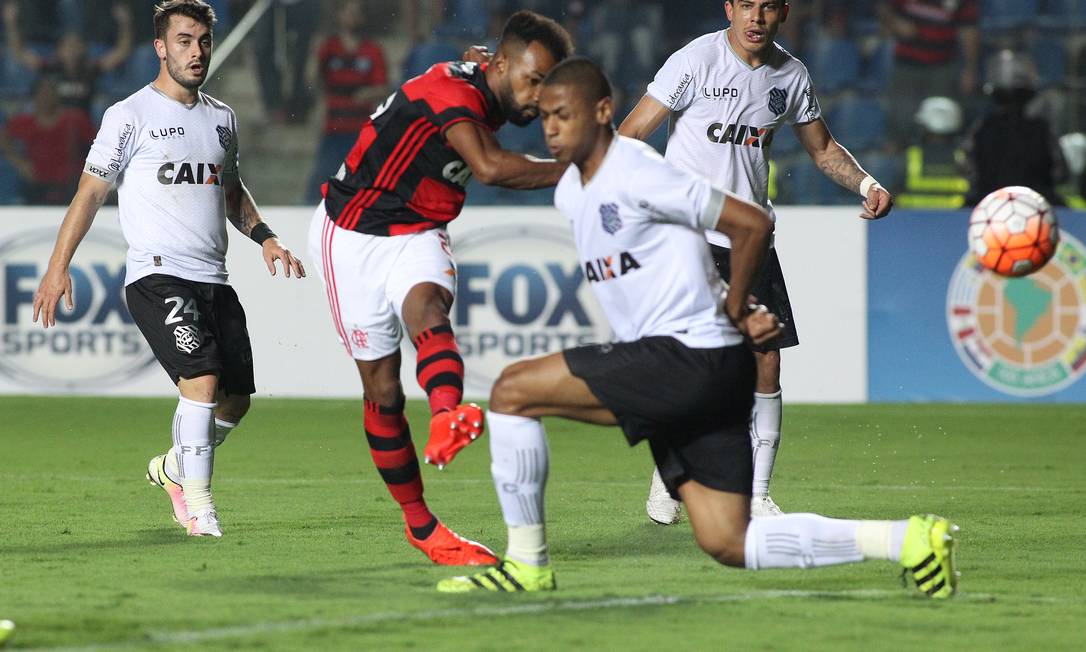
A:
[447,548]
[452,430]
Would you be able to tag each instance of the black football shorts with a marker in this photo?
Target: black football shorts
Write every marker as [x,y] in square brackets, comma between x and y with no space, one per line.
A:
[770,291]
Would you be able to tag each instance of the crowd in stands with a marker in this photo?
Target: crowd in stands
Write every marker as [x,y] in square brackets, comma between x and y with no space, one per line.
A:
[927,93]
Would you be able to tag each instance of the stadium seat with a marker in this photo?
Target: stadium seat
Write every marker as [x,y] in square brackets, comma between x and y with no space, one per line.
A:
[889,170]
[835,64]
[785,142]
[1007,14]
[858,122]
[10,187]
[426,54]
[798,182]
[877,68]
[464,20]
[1050,56]
[1062,15]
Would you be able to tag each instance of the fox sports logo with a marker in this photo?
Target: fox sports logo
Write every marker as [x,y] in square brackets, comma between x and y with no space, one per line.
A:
[521,293]
[92,347]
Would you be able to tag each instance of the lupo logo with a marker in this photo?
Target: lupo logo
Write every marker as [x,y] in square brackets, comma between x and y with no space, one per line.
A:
[1022,336]
[92,347]
[521,292]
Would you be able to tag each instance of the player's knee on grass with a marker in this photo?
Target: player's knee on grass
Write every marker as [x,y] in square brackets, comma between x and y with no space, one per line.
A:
[509,394]
[727,546]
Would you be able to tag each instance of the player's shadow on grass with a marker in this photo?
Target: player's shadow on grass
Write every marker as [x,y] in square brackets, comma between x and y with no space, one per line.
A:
[640,540]
[69,542]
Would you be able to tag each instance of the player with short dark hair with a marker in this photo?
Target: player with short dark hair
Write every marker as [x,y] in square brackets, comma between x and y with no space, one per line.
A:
[172,152]
[387,259]
[726,94]
[679,374]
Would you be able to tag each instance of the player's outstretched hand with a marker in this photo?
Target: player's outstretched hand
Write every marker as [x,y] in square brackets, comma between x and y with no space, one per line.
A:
[274,251]
[55,284]
[477,54]
[759,325]
[878,203]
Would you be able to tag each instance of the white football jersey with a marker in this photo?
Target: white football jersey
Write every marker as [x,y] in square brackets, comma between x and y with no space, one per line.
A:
[725,113]
[638,226]
[168,160]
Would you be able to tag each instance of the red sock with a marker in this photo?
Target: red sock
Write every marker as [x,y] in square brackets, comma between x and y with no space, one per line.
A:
[440,369]
[393,452]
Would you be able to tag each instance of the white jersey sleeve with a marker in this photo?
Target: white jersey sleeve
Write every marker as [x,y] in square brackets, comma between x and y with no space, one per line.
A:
[806,107]
[113,146]
[670,194]
[674,85]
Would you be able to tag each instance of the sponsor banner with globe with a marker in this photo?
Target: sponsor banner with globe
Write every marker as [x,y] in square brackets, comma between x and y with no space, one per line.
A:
[1024,336]
[942,328]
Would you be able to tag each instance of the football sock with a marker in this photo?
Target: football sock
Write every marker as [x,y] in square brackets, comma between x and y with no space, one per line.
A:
[881,539]
[222,429]
[440,369]
[765,437]
[194,452]
[519,465]
[393,452]
[801,541]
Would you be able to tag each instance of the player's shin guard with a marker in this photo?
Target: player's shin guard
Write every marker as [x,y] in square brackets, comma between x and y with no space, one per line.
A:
[519,465]
[801,541]
[765,437]
[393,452]
[440,369]
[192,444]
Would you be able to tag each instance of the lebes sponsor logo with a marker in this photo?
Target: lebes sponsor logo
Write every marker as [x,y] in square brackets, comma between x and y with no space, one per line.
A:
[521,292]
[1022,336]
[92,347]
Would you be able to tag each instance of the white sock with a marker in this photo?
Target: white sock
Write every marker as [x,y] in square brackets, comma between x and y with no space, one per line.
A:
[192,442]
[881,539]
[519,464]
[801,541]
[765,437]
[222,429]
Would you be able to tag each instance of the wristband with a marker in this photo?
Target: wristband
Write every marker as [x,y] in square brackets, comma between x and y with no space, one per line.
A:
[865,185]
[260,233]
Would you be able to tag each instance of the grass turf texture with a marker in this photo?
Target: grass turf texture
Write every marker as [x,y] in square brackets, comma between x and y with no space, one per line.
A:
[314,554]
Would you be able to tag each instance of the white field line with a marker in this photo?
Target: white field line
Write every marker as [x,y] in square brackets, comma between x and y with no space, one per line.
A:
[535,608]
[603,483]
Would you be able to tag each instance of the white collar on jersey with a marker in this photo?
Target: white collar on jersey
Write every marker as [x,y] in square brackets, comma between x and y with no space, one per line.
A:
[199,96]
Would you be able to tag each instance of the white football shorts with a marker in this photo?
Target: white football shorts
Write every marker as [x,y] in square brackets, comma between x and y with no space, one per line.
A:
[367,277]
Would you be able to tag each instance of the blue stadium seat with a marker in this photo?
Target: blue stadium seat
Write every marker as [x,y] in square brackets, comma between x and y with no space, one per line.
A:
[1007,14]
[835,64]
[1062,15]
[1050,56]
[785,142]
[10,186]
[524,140]
[464,20]
[426,54]
[889,170]
[858,122]
[878,66]
[799,183]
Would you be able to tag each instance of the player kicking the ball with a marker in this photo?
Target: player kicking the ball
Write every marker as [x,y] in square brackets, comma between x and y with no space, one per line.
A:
[727,93]
[386,258]
[173,154]
[679,375]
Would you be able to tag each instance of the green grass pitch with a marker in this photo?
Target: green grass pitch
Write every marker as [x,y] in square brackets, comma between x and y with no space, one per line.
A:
[314,557]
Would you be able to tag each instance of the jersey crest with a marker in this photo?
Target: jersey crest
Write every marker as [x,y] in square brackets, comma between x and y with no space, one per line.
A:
[609,218]
[777,101]
[224,137]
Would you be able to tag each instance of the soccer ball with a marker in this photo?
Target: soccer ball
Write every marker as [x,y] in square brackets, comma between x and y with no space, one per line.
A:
[1013,231]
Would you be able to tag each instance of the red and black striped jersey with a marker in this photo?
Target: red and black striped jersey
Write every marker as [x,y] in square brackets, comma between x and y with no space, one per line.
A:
[937,24]
[402,176]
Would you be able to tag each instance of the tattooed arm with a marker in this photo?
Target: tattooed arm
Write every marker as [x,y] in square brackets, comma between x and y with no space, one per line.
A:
[242,212]
[838,164]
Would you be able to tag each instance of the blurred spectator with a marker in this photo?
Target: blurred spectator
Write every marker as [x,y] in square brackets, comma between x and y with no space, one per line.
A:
[76,72]
[1008,147]
[354,78]
[47,145]
[281,43]
[929,34]
[1073,147]
[933,167]
[622,36]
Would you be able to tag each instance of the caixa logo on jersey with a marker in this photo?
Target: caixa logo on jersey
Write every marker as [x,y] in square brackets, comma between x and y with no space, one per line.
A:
[92,347]
[521,292]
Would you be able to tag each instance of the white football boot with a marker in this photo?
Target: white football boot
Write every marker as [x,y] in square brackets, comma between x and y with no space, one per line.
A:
[204,525]
[660,506]
[764,506]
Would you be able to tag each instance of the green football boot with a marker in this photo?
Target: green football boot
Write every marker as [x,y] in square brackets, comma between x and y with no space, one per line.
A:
[508,576]
[928,553]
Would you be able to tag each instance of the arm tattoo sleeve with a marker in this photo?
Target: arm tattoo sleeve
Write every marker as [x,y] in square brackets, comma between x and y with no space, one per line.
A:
[840,166]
